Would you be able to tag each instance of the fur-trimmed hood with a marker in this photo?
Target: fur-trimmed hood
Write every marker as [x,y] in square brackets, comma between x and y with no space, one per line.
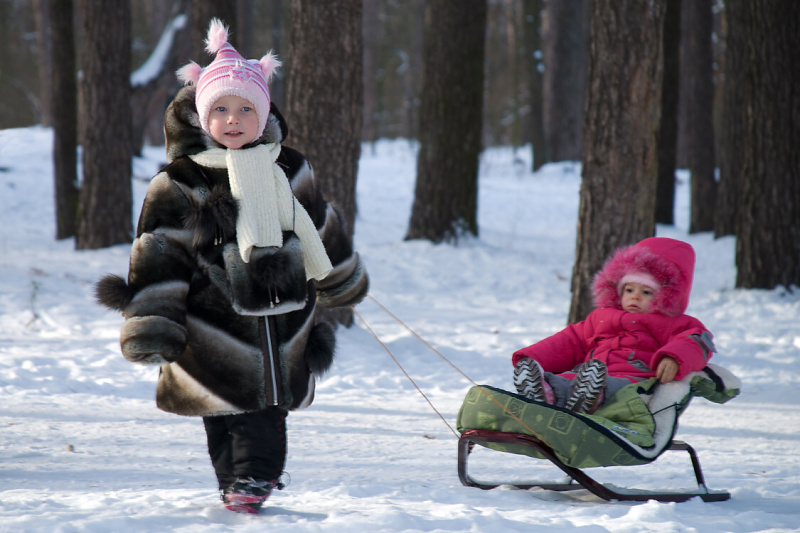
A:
[184,136]
[670,262]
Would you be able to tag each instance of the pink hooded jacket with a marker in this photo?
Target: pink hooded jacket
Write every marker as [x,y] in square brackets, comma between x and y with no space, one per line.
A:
[632,344]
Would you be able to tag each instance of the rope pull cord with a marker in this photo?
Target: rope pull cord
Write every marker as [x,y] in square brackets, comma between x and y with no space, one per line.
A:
[434,350]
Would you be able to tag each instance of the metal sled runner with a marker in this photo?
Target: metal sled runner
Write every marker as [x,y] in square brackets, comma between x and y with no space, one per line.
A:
[633,429]
[578,478]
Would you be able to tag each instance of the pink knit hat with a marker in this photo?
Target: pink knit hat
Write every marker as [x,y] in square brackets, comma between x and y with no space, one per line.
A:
[230,74]
[638,277]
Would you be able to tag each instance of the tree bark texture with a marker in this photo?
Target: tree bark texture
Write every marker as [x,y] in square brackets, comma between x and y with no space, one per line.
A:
[620,148]
[105,207]
[733,116]
[768,232]
[64,92]
[534,66]
[566,72]
[700,115]
[202,13]
[668,136]
[325,94]
[446,195]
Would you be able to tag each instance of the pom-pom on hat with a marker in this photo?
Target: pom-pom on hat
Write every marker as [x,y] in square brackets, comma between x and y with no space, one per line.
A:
[230,74]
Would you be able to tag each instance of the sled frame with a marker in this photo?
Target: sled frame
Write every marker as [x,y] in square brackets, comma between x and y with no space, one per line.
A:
[476,436]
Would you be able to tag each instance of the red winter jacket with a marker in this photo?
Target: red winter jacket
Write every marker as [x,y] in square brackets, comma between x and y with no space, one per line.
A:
[632,344]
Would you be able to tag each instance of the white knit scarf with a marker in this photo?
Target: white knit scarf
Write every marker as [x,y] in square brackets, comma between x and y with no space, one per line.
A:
[267,206]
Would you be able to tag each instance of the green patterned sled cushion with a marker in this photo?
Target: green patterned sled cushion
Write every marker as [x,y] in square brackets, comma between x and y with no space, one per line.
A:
[578,440]
[622,432]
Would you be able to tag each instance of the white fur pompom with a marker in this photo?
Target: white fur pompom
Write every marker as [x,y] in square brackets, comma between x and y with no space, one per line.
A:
[217,36]
[269,65]
[189,73]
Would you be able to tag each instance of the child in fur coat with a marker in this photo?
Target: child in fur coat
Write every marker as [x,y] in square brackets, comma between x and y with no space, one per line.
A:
[235,247]
[638,331]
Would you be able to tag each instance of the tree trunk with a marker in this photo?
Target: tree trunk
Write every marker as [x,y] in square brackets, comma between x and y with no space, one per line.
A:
[44,41]
[371,35]
[768,233]
[324,95]
[105,208]
[733,115]
[532,16]
[150,96]
[65,117]
[700,115]
[668,138]
[446,196]
[566,77]
[202,13]
[620,157]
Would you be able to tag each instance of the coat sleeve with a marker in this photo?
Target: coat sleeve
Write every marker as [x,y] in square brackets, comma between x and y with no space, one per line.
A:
[558,353]
[159,273]
[690,344]
[348,282]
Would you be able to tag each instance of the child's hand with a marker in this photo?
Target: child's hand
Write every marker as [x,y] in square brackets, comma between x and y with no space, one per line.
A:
[666,370]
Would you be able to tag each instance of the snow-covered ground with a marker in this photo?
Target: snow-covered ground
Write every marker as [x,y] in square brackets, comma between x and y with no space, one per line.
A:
[83,447]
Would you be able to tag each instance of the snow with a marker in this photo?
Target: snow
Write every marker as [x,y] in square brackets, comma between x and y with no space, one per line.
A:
[84,449]
[155,63]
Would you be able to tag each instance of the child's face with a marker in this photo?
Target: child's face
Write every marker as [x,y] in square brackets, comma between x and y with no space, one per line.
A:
[233,122]
[637,298]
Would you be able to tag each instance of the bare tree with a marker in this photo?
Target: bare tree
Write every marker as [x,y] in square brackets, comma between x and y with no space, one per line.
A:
[532,17]
[620,148]
[764,45]
[324,95]
[202,13]
[668,137]
[733,115]
[699,115]
[105,201]
[154,84]
[44,41]
[64,91]
[446,196]
[566,77]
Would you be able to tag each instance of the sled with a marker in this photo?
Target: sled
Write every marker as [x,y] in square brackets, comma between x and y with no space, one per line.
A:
[636,427]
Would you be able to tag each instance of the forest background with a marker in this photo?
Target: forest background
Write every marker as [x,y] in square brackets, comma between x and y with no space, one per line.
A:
[632,89]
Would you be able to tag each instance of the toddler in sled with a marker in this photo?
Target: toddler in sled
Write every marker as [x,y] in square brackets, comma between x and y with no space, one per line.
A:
[638,331]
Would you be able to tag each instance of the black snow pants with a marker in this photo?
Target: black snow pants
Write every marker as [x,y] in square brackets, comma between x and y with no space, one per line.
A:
[247,445]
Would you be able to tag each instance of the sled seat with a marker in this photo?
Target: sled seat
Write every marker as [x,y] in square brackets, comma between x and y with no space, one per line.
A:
[635,427]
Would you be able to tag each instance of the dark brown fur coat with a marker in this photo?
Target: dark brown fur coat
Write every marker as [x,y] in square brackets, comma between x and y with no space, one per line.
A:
[194,308]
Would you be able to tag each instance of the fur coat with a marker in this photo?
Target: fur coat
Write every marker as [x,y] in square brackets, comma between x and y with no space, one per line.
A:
[632,344]
[229,336]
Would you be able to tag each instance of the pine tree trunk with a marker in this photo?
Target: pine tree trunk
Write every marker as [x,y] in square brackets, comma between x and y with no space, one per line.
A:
[105,206]
[446,196]
[768,233]
[620,148]
[733,115]
[668,137]
[700,116]
[65,117]
[325,94]
[566,77]
[532,14]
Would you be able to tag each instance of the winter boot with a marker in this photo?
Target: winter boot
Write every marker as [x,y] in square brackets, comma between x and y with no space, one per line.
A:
[586,392]
[247,495]
[529,381]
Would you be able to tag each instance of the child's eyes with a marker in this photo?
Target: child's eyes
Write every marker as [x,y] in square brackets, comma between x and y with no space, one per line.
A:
[245,108]
[221,109]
